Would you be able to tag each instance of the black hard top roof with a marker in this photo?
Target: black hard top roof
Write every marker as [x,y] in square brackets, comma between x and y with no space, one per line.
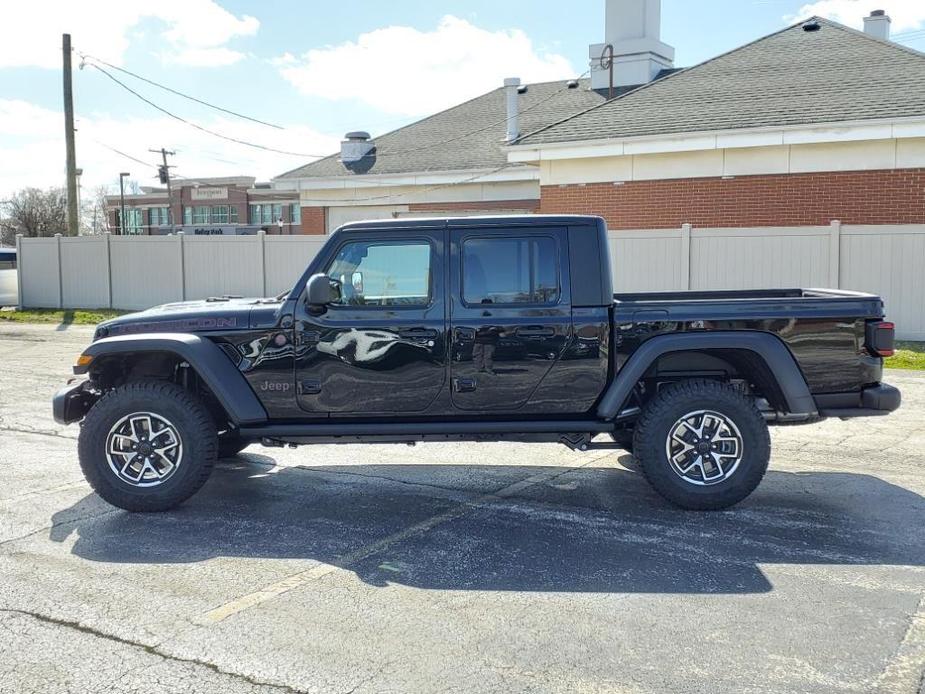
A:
[487,220]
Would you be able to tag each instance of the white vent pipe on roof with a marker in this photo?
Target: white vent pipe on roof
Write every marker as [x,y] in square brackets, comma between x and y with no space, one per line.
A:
[513,116]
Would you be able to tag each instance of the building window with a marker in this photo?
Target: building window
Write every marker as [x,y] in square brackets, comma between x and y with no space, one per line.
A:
[202,215]
[134,222]
[187,215]
[265,213]
[503,270]
[233,214]
[159,217]
[295,213]
[220,214]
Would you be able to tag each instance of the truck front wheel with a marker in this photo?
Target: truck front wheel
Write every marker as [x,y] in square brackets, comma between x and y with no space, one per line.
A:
[702,444]
[147,446]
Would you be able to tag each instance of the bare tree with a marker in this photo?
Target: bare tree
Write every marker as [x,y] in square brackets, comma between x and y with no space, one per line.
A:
[93,216]
[34,212]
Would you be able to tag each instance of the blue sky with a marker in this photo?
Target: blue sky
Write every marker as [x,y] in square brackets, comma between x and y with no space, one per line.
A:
[317,68]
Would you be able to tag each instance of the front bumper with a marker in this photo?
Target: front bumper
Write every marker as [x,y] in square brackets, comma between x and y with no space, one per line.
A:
[872,401]
[71,403]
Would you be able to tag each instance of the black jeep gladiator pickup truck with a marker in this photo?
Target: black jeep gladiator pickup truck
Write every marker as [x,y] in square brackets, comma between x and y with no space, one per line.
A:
[475,329]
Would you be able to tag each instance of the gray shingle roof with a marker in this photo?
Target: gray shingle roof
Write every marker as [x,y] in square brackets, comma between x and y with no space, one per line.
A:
[792,77]
[418,146]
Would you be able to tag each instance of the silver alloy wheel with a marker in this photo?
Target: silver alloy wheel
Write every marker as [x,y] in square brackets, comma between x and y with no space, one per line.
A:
[704,447]
[144,449]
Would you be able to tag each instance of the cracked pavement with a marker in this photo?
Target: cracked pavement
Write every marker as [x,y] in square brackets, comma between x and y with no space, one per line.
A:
[459,567]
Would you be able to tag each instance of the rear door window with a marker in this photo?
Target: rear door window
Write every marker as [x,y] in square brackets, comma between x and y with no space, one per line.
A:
[510,270]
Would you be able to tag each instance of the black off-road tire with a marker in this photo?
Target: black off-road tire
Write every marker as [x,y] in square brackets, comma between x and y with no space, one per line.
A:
[662,413]
[230,446]
[190,418]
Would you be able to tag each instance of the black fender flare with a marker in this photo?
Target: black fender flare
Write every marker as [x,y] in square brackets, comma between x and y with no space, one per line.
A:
[770,348]
[228,385]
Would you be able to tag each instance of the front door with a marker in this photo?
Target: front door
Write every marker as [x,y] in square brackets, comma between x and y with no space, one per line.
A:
[381,349]
[510,314]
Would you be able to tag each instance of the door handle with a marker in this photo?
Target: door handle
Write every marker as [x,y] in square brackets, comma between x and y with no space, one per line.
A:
[464,385]
[534,331]
[418,333]
[464,334]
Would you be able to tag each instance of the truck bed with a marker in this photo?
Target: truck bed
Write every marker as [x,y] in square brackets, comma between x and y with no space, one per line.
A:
[746,303]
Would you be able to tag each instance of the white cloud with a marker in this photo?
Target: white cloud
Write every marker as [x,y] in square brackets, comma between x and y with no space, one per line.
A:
[403,70]
[204,57]
[195,31]
[905,14]
[33,137]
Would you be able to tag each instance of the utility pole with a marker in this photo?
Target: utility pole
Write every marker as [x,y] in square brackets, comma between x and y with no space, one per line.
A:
[72,220]
[164,174]
[122,177]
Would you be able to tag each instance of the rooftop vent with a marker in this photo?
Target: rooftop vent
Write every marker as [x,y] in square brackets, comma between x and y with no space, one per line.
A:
[572,84]
[812,26]
[878,25]
[511,88]
[355,146]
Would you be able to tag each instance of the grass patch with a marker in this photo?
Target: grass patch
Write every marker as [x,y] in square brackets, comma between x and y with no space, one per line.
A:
[909,355]
[57,316]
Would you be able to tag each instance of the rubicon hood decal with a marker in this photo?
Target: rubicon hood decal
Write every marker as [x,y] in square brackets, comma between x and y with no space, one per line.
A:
[171,326]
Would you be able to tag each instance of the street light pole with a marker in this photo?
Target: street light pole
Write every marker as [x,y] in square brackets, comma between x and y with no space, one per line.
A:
[122,177]
[80,211]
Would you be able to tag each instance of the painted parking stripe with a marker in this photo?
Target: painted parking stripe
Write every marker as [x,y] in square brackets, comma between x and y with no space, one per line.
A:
[317,572]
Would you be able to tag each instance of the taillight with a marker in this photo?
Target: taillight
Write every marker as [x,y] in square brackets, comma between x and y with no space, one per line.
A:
[880,338]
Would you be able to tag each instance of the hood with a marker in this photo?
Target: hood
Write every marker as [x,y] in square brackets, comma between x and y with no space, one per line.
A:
[214,314]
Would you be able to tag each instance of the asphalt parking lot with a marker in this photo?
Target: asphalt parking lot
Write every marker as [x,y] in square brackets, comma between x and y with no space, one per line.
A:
[459,568]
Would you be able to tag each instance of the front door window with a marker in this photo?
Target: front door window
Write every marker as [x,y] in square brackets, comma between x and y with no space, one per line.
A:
[381,274]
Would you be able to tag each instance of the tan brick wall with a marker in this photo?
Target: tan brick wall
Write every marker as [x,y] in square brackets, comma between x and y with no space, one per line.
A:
[854,197]
[487,206]
[313,220]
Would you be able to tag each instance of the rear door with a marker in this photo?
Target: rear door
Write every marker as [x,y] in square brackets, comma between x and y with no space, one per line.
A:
[510,313]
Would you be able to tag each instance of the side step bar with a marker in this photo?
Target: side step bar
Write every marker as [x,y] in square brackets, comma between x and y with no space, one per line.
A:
[484,429]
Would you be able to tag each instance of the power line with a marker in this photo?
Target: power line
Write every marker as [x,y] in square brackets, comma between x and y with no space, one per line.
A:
[85,56]
[121,153]
[319,156]
[903,34]
[422,190]
[199,127]
[503,121]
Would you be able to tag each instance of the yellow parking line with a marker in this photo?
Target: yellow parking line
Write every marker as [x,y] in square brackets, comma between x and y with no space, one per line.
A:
[316,572]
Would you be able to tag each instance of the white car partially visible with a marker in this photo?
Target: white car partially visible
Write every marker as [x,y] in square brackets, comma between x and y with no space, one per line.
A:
[8,285]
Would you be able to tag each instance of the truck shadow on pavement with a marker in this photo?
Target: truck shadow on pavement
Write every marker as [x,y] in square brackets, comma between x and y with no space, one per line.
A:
[585,530]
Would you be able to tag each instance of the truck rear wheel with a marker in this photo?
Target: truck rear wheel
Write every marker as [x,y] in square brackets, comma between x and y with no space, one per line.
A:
[702,444]
[147,446]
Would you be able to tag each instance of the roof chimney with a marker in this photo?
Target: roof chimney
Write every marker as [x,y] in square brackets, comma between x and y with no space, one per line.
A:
[510,91]
[878,25]
[633,28]
[355,146]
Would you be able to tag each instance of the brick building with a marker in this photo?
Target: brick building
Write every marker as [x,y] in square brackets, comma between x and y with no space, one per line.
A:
[812,123]
[230,205]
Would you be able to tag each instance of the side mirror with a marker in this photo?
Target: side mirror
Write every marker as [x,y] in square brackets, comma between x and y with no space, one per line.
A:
[322,290]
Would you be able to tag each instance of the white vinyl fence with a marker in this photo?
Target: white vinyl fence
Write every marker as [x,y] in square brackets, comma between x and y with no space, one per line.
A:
[888,260]
[134,272]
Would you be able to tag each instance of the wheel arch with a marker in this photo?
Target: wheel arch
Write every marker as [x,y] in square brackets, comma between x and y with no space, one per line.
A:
[760,356]
[155,355]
